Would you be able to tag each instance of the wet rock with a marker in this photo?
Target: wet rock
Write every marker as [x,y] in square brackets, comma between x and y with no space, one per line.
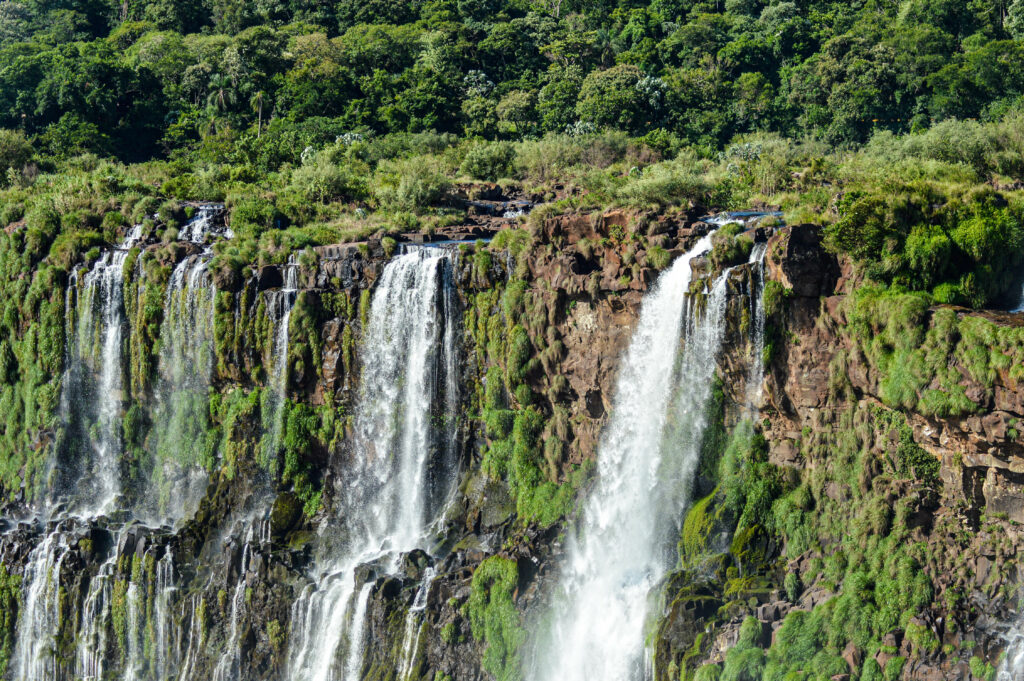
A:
[284,514]
[269,277]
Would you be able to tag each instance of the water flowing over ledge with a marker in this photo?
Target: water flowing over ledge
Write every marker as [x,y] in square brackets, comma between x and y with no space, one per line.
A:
[645,465]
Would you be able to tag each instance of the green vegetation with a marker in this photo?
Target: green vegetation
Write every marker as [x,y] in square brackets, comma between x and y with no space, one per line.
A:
[517,350]
[840,515]
[259,84]
[923,356]
[493,616]
[10,601]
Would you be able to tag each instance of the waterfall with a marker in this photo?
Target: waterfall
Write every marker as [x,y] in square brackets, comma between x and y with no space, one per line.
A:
[135,633]
[411,638]
[179,478]
[93,636]
[281,314]
[163,622]
[1012,666]
[205,224]
[647,457]
[195,641]
[755,373]
[40,618]
[95,379]
[229,665]
[354,659]
[402,465]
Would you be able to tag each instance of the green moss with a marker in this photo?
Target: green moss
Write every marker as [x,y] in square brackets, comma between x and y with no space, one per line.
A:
[700,520]
[10,599]
[981,669]
[494,619]
[119,615]
[774,297]
[515,240]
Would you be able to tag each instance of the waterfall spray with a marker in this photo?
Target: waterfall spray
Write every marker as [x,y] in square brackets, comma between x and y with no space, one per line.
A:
[409,374]
[755,373]
[647,458]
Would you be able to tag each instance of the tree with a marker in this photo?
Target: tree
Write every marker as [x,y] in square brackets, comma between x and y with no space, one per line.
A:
[222,94]
[1014,22]
[614,99]
[256,102]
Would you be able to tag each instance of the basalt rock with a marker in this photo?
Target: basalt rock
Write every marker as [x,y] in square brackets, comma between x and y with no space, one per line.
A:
[256,535]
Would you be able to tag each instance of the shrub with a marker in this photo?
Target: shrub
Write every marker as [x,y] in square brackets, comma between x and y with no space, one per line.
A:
[323,181]
[662,185]
[489,162]
[252,215]
[410,184]
[15,152]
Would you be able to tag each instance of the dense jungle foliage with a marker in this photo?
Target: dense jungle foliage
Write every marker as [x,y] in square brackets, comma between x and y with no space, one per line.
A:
[326,122]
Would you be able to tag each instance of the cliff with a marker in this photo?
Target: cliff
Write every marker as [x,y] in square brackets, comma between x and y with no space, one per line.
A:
[857,515]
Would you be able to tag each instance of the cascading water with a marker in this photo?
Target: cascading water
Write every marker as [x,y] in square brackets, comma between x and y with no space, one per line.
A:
[280,304]
[134,635]
[164,657]
[755,374]
[402,465]
[1012,666]
[229,665]
[411,638]
[93,639]
[95,379]
[354,659]
[195,641]
[40,615]
[179,477]
[647,457]
[205,224]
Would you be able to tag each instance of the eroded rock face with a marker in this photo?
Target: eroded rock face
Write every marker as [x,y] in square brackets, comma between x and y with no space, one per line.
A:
[586,276]
[819,385]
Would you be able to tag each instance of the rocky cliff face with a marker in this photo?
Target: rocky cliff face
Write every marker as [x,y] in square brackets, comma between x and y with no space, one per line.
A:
[906,485]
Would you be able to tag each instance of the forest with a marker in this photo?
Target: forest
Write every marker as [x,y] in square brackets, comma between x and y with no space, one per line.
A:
[219,304]
[327,122]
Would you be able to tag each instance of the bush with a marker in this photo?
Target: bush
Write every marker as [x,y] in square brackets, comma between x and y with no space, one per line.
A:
[413,184]
[15,152]
[489,162]
[252,215]
[663,185]
[324,181]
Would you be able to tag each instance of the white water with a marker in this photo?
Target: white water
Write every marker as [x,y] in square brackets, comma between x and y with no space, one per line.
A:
[411,637]
[205,224]
[387,496]
[195,642]
[1012,666]
[755,373]
[178,479]
[229,665]
[99,343]
[646,460]
[135,632]
[354,659]
[93,638]
[164,658]
[281,304]
[39,619]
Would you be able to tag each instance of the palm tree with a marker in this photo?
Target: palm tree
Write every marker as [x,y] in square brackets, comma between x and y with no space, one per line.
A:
[222,92]
[257,104]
